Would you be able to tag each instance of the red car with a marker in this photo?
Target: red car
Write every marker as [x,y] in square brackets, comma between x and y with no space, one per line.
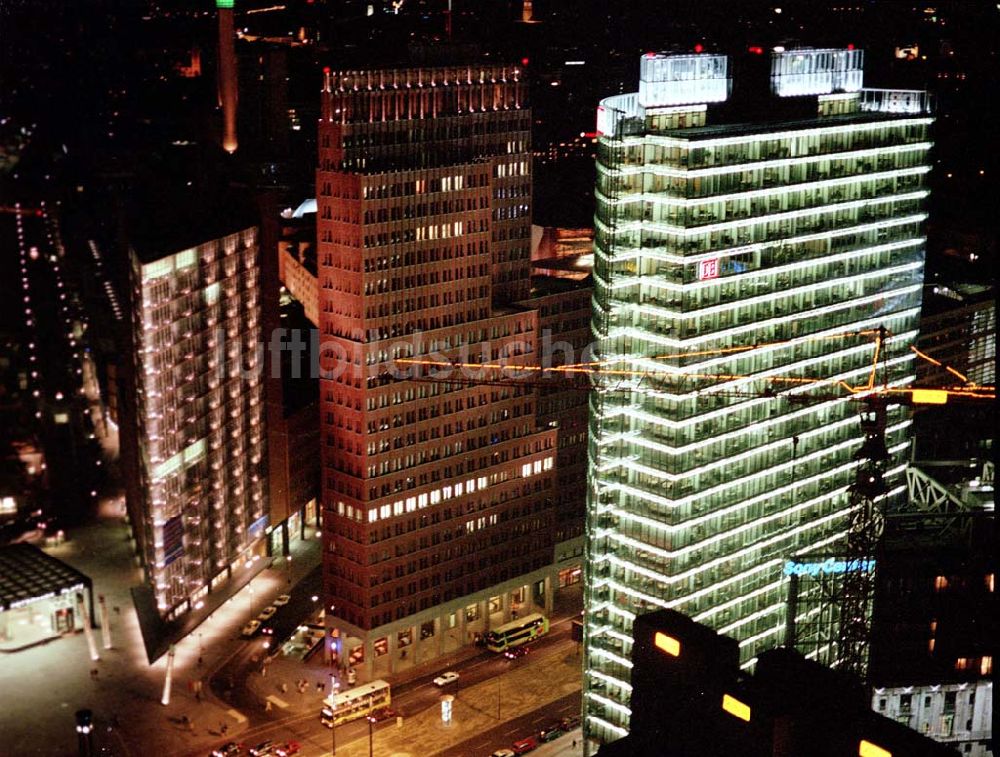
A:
[525,745]
[288,748]
[385,713]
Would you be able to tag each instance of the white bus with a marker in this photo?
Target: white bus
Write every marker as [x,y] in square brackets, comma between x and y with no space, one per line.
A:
[355,703]
[517,632]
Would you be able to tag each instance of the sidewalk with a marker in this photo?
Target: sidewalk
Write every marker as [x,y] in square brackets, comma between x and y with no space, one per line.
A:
[570,745]
[48,684]
[159,635]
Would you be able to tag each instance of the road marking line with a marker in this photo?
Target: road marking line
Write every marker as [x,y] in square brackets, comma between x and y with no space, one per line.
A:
[236,715]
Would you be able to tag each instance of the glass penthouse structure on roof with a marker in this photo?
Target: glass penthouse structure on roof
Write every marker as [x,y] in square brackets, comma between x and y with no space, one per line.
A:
[746,253]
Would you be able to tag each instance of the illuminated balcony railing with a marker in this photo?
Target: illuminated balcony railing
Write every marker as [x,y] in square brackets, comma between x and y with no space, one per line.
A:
[896,101]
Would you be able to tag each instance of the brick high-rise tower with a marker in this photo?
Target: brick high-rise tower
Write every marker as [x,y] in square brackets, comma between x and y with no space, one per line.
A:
[437,497]
[227,74]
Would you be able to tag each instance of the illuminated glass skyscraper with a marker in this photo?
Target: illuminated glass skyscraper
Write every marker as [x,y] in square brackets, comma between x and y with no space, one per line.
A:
[746,253]
[193,447]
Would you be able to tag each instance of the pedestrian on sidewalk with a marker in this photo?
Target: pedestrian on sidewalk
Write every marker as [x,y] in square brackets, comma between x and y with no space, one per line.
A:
[223,728]
[284,688]
[267,705]
[319,687]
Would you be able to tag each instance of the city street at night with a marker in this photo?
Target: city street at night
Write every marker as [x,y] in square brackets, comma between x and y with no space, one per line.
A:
[484,378]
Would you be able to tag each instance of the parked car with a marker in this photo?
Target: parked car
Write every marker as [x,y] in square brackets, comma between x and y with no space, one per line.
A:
[282,600]
[267,613]
[514,653]
[288,748]
[551,733]
[570,722]
[445,678]
[229,749]
[525,745]
[263,749]
[503,753]
[250,629]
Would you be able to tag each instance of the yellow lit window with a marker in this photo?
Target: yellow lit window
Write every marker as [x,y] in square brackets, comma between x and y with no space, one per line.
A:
[668,644]
[735,707]
[868,749]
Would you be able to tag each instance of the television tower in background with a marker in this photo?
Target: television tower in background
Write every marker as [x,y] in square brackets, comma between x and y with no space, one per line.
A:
[227,74]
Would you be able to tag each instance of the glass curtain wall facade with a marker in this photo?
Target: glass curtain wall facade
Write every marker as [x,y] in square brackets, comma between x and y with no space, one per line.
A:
[741,273]
[199,405]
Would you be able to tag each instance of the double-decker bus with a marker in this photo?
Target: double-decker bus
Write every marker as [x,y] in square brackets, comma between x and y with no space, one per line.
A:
[355,703]
[517,632]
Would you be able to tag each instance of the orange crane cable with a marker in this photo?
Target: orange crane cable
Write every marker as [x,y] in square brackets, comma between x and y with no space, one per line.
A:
[627,372]
[743,348]
[939,364]
[878,350]
[594,369]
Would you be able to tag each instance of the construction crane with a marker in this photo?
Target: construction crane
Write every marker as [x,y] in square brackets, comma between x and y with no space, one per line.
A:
[581,376]
[847,599]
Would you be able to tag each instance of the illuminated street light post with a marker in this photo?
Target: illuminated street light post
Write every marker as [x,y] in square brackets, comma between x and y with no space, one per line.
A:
[334,686]
[170,674]
[105,622]
[87,630]
[371,734]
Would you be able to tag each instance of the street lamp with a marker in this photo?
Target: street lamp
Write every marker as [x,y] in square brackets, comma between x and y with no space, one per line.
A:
[334,685]
[371,737]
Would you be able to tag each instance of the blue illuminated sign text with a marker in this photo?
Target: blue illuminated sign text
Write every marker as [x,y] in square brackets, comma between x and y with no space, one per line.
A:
[829,565]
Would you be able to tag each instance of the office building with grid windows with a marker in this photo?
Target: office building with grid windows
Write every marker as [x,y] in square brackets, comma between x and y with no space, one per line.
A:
[437,496]
[753,233]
